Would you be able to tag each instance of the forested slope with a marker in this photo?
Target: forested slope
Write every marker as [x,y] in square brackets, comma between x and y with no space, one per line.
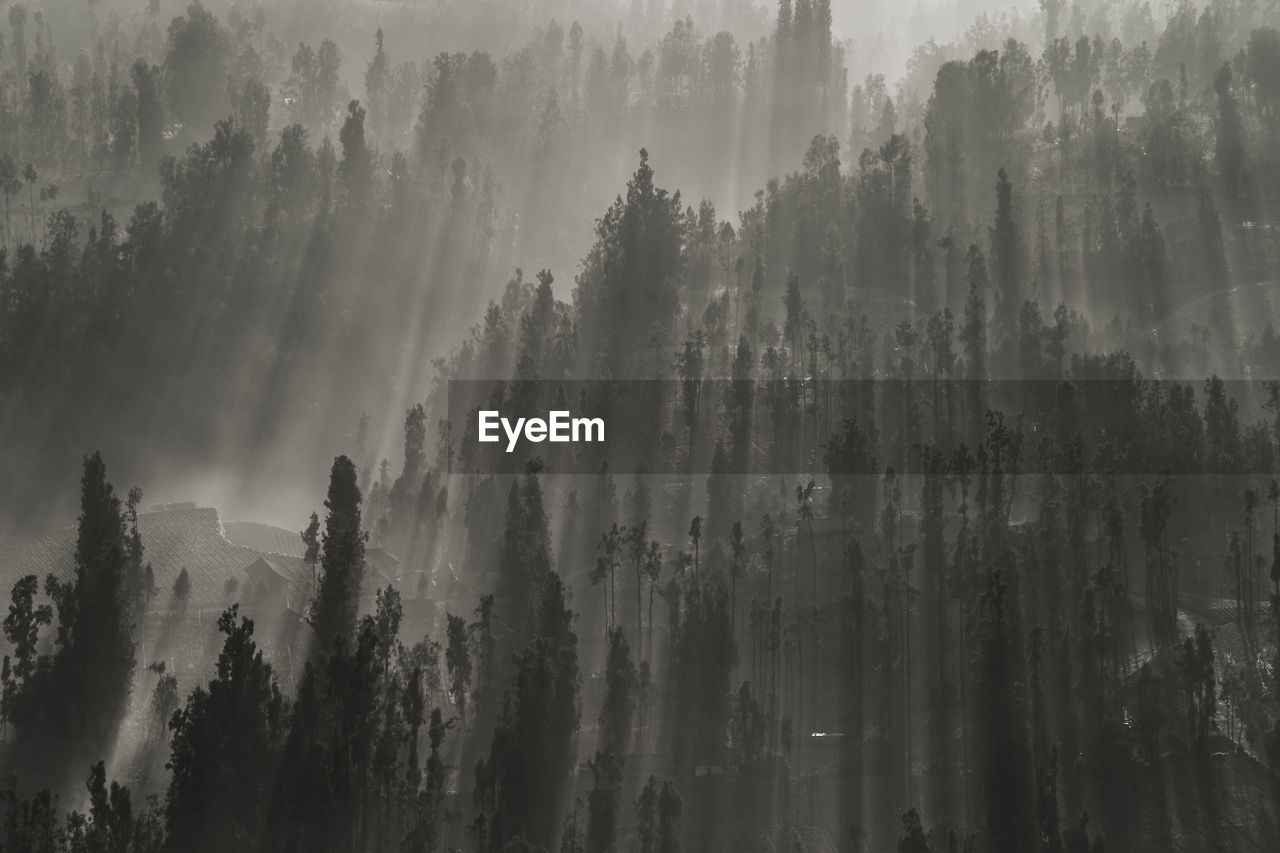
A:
[945,512]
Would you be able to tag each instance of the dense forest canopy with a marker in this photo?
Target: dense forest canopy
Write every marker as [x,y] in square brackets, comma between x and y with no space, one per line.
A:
[949,523]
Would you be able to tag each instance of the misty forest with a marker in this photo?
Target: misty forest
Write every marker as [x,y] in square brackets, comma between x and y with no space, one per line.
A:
[939,341]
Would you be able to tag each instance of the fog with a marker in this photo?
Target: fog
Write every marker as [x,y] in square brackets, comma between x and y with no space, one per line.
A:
[539,223]
[936,347]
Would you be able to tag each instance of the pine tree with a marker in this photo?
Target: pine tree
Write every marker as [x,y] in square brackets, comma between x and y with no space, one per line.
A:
[458,660]
[521,781]
[341,558]
[311,552]
[1007,252]
[83,697]
[225,743]
[619,695]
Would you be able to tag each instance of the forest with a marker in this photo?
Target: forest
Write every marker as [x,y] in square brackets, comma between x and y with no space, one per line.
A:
[938,347]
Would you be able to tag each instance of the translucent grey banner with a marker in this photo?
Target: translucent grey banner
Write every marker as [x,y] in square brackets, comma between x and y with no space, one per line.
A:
[862,427]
